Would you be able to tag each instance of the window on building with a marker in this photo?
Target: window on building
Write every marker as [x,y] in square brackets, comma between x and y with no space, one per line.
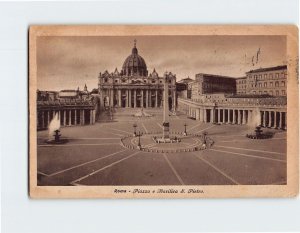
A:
[105,80]
[260,92]
[283,83]
[265,92]
[153,81]
[265,84]
[271,84]
[260,76]
[259,84]
[276,84]
[145,81]
[283,92]
[265,76]
[277,93]
[270,76]
[277,75]
[116,81]
[123,80]
[254,92]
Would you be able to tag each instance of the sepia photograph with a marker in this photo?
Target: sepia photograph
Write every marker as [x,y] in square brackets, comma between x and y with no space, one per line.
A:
[163,111]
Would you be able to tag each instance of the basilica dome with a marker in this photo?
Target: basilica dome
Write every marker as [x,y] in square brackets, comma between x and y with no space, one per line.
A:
[134,64]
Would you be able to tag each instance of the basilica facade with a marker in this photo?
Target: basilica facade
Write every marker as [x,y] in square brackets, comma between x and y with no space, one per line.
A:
[134,87]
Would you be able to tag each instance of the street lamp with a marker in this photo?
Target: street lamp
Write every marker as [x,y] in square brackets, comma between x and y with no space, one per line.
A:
[185,133]
[139,146]
[134,131]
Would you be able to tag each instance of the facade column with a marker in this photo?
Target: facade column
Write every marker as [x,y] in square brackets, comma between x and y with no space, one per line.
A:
[156,98]
[129,96]
[147,98]
[219,115]
[65,117]
[270,118]
[134,98]
[94,116]
[142,98]
[275,120]
[212,115]
[83,120]
[223,113]
[70,117]
[120,97]
[91,116]
[111,97]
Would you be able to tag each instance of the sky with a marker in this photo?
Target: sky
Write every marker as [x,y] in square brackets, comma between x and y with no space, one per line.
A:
[71,62]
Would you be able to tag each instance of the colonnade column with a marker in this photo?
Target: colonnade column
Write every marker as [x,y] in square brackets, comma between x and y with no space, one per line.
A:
[275,119]
[228,115]
[270,119]
[48,118]
[201,114]
[75,111]
[224,121]
[244,117]
[205,115]
[239,117]
[219,115]
[70,117]
[280,119]
[65,117]
[234,117]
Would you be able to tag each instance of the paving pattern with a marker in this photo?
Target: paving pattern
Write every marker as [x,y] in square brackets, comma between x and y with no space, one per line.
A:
[94,155]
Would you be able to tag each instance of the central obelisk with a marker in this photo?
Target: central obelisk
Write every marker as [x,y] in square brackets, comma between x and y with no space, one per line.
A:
[166,123]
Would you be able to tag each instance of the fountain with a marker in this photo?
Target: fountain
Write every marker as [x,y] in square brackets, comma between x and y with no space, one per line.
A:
[54,127]
[258,132]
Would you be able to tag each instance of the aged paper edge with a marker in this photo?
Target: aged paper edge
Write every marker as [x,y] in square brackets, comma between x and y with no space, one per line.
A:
[209,191]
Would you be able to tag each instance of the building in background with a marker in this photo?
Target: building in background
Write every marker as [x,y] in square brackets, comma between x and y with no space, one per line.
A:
[271,81]
[225,100]
[241,85]
[74,107]
[134,87]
